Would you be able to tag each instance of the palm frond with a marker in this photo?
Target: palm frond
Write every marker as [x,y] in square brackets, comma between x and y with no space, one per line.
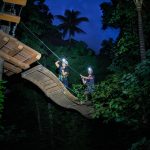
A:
[70,20]
[81,19]
[61,18]
[78,30]
[75,13]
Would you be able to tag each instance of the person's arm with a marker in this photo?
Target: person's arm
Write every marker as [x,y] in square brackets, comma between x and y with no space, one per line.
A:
[64,73]
[84,81]
[57,63]
[84,77]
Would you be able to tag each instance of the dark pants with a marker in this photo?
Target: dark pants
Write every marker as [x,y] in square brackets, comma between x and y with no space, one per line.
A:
[65,82]
[89,91]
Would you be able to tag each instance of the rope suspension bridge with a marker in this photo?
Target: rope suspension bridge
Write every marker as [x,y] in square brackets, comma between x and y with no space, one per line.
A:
[16,57]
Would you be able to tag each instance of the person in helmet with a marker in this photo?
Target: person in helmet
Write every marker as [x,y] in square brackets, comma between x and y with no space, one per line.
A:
[63,71]
[89,82]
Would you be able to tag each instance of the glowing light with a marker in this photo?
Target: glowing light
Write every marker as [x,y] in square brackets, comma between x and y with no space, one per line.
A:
[89,69]
[63,60]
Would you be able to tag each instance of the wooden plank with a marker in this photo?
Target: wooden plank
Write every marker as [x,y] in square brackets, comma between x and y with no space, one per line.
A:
[44,81]
[18,2]
[11,67]
[3,41]
[31,55]
[49,86]
[21,54]
[59,98]
[10,18]
[32,60]
[51,76]
[20,57]
[9,73]
[30,71]
[52,94]
[34,55]
[17,52]
[51,90]
[13,50]
[24,54]
[29,50]
[13,60]
[36,75]
[9,49]
[5,50]
[72,97]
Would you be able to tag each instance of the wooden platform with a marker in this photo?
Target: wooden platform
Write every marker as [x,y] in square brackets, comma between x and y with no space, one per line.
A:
[9,18]
[55,90]
[18,2]
[16,55]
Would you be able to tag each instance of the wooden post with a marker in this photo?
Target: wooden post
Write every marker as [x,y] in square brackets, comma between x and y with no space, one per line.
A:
[13,60]
[9,18]
[1,67]
[17,2]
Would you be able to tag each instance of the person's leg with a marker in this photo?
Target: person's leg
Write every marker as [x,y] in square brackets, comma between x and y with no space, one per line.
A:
[86,95]
[60,77]
[65,82]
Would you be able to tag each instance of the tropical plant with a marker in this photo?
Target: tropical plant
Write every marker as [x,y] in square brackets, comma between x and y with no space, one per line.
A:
[142,144]
[70,22]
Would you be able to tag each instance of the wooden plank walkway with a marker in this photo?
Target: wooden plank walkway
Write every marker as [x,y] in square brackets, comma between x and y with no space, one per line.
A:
[55,90]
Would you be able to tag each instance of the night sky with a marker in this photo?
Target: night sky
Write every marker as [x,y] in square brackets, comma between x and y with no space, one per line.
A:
[90,9]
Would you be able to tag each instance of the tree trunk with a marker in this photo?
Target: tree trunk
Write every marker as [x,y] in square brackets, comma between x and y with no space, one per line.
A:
[141,35]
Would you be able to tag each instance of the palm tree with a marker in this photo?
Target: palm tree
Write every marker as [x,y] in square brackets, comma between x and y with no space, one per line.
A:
[138,4]
[70,22]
